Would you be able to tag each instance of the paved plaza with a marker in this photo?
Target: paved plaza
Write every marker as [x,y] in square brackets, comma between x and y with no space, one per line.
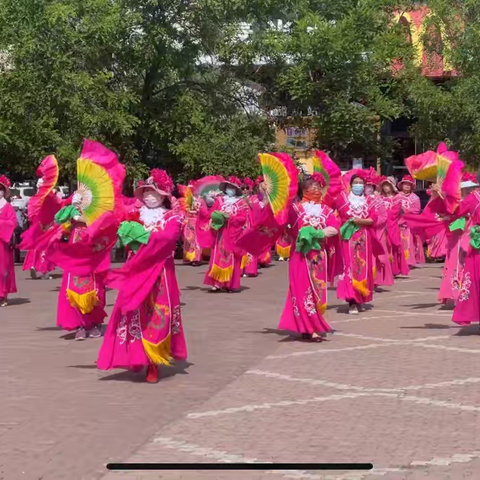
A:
[397,386]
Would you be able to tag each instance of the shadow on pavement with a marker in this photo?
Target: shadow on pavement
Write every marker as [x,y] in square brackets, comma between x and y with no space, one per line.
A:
[468,331]
[191,288]
[180,368]
[418,306]
[18,301]
[84,367]
[49,329]
[431,326]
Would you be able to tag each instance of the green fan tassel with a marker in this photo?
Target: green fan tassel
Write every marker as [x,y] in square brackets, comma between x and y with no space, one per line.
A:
[309,239]
[458,224]
[218,220]
[348,229]
[133,235]
[66,214]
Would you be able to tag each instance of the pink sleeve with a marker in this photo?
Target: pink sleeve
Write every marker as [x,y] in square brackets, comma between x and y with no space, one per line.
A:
[332,221]
[137,277]
[8,223]
[416,204]
[467,206]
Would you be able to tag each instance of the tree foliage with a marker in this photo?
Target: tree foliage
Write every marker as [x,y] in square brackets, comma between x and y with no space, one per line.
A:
[185,85]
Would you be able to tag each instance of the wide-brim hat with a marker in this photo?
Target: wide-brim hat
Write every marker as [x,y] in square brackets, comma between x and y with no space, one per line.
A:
[390,181]
[407,179]
[5,183]
[223,186]
[468,184]
[142,188]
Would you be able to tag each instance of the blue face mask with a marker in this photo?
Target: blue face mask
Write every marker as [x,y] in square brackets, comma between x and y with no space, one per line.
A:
[358,188]
[230,192]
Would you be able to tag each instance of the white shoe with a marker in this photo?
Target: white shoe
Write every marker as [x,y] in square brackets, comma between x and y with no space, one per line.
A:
[353,310]
[281,259]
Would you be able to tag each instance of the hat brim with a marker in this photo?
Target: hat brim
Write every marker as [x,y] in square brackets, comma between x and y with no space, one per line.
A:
[468,184]
[223,186]
[7,190]
[389,182]
[140,190]
[406,181]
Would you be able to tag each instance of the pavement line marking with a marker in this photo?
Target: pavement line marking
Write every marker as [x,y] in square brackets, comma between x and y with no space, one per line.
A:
[284,403]
[339,386]
[225,457]
[352,320]
[287,403]
[197,450]
[323,383]
[415,313]
[329,350]
[385,343]
[439,461]
[391,340]
[450,349]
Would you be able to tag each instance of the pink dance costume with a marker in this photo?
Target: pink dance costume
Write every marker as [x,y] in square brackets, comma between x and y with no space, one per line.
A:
[146,324]
[308,272]
[8,223]
[412,246]
[224,270]
[356,283]
[192,251]
[467,308]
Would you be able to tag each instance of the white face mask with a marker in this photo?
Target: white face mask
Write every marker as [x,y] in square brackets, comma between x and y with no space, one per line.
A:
[209,201]
[152,199]
[231,192]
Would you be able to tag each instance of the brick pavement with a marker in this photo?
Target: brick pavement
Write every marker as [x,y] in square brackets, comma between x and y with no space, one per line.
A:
[396,386]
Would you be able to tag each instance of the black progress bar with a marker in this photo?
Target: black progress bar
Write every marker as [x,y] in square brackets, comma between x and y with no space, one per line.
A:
[239,466]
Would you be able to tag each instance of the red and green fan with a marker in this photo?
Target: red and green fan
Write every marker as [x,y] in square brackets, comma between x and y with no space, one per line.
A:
[281,182]
[330,171]
[100,178]
[186,202]
[48,171]
[443,167]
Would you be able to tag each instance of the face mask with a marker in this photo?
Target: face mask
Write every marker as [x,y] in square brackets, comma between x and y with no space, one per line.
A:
[312,196]
[358,188]
[230,192]
[209,201]
[40,182]
[152,199]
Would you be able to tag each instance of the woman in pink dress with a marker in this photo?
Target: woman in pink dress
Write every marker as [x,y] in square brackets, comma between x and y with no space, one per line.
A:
[145,329]
[390,236]
[458,238]
[35,239]
[356,283]
[313,228]
[224,222]
[412,245]
[283,247]
[467,308]
[249,265]
[192,251]
[8,223]
[383,269]
[81,299]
